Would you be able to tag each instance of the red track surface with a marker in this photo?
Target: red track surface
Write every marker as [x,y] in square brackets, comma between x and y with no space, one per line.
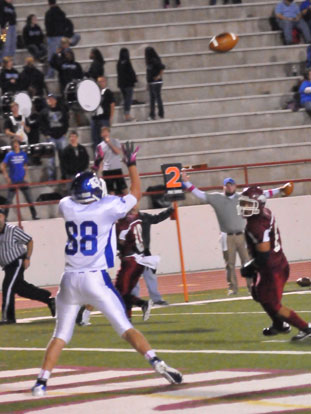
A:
[200,281]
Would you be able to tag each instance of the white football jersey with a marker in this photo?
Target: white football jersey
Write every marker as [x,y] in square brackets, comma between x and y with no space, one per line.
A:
[90,228]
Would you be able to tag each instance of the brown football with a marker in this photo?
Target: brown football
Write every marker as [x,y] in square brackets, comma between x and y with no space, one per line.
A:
[223,42]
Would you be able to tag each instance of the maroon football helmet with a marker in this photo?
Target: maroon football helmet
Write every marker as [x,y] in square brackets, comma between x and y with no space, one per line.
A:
[251,201]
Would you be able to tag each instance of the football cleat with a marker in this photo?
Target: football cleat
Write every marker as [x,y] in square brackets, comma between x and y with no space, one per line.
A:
[38,390]
[52,307]
[302,335]
[83,317]
[304,281]
[171,374]
[146,309]
[272,330]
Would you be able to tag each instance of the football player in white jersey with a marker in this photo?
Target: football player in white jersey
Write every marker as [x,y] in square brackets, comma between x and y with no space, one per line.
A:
[89,216]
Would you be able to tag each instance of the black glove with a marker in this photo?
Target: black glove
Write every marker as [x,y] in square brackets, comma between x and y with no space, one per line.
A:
[249,270]
[129,154]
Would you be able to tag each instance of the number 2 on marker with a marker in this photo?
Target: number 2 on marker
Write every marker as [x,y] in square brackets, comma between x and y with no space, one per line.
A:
[173,182]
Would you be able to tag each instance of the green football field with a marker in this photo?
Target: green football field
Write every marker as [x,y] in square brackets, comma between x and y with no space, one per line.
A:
[211,332]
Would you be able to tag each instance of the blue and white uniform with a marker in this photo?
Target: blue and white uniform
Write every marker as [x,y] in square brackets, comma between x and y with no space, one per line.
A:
[89,252]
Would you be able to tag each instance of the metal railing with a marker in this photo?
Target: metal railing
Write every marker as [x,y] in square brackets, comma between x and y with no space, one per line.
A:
[245,167]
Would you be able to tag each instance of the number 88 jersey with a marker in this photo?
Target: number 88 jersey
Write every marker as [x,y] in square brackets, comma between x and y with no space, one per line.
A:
[262,228]
[90,228]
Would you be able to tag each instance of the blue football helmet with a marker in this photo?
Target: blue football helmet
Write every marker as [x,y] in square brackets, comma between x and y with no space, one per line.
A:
[87,187]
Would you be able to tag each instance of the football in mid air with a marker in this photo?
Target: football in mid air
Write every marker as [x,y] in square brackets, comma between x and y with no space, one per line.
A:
[223,42]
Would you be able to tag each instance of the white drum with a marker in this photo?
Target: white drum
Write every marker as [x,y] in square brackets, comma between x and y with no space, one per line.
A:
[24,102]
[85,93]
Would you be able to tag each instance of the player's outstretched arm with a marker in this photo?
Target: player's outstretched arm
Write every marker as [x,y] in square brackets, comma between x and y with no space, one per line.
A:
[284,191]
[190,187]
[129,157]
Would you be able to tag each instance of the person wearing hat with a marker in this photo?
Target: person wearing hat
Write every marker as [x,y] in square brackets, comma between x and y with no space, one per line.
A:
[16,248]
[231,224]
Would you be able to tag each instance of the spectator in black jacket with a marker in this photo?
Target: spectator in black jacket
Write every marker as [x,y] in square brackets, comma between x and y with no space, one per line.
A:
[155,69]
[54,125]
[32,79]
[68,69]
[166,3]
[75,157]
[103,115]
[34,38]
[55,23]
[69,32]
[126,81]
[9,76]
[96,68]
[8,26]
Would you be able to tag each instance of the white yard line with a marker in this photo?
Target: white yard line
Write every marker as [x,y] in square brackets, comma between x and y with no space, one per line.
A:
[201,302]
[168,351]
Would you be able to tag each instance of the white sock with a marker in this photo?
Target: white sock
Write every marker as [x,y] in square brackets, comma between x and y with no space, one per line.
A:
[149,355]
[44,374]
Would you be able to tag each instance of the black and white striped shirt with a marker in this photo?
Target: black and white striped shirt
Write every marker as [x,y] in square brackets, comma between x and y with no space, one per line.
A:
[12,244]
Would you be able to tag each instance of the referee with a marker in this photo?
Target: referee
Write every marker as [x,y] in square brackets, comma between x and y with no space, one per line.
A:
[15,251]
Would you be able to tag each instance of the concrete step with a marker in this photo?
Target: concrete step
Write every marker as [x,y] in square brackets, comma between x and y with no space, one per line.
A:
[201,75]
[98,6]
[97,34]
[233,156]
[165,46]
[119,5]
[210,106]
[213,123]
[82,15]
[211,90]
[223,140]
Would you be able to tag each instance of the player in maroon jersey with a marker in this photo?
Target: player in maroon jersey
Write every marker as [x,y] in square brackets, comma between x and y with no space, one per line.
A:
[131,249]
[264,243]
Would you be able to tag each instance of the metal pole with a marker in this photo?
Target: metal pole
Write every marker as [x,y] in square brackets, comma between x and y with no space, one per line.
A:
[183,273]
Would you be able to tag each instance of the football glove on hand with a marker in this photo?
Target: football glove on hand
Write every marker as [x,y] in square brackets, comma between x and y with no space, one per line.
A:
[287,189]
[249,270]
[129,154]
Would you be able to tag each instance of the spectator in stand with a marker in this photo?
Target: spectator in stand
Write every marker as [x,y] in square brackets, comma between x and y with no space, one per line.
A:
[126,81]
[16,161]
[305,9]
[8,26]
[54,125]
[166,4]
[75,157]
[305,92]
[9,76]
[69,32]
[34,38]
[155,70]
[96,68]
[16,126]
[68,69]
[104,113]
[289,17]
[108,160]
[32,79]
[55,23]
[213,2]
